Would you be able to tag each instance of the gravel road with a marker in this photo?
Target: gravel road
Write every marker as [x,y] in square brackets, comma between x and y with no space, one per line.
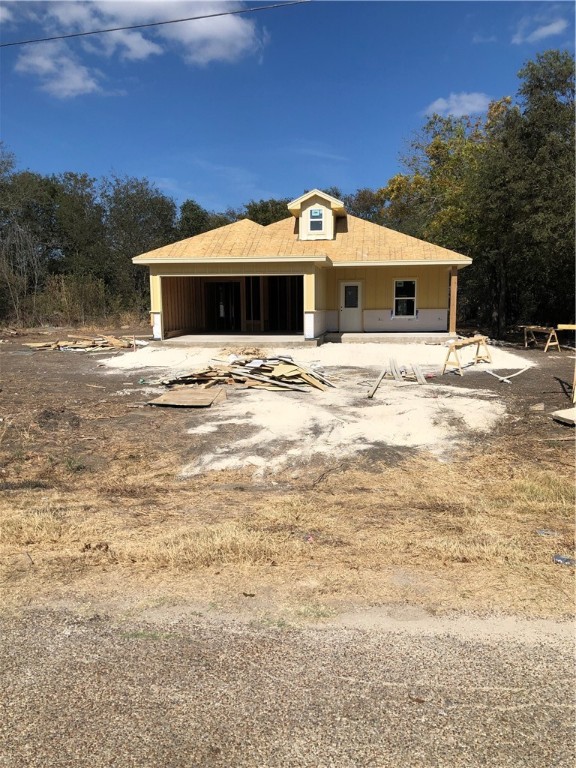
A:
[99,691]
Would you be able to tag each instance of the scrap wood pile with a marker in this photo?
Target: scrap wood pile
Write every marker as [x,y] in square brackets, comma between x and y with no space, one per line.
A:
[271,373]
[89,343]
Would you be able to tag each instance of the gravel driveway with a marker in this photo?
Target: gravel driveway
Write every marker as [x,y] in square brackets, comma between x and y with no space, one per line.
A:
[100,691]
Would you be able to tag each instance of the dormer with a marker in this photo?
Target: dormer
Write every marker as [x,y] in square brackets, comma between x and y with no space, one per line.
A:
[317,213]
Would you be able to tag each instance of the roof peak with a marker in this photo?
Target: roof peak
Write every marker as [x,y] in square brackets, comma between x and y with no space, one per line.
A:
[335,205]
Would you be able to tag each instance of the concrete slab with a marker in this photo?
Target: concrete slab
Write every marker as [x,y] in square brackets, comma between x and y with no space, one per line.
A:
[389,338]
[268,340]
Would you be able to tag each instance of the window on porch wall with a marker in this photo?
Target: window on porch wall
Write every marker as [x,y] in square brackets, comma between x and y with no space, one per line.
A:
[404,298]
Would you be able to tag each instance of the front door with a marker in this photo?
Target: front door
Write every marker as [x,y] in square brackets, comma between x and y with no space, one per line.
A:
[351,307]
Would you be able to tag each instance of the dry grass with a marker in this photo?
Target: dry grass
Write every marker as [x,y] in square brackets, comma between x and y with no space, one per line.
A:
[468,539]
[459,535]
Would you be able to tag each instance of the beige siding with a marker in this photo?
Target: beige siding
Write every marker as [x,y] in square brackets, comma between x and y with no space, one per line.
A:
[320,288]
[431,285]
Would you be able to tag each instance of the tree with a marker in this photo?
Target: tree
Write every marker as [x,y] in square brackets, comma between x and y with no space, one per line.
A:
[193,219]
[138,218]
[266,211]
[522,202]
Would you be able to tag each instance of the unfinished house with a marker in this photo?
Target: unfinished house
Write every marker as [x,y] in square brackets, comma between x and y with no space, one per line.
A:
[319,271]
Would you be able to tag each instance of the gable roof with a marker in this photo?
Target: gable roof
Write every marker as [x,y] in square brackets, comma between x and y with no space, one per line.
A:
[356,242]
[335,205]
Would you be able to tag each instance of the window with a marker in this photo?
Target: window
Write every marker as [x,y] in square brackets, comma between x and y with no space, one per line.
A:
[351,298]
[316,220]
[404,298]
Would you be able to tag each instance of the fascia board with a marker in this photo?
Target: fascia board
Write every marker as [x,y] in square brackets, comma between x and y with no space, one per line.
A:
[404,263]
[234,260]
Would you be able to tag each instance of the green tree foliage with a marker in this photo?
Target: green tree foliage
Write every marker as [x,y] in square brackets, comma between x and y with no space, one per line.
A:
[138,218]
[521,203]
[502,191]
[193,220]
[266,211]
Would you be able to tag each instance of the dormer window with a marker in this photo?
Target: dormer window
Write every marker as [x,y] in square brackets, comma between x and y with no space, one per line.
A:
[316,220]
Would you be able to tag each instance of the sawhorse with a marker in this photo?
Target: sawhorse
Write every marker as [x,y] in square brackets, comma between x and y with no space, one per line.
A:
[453,359]
[529,337]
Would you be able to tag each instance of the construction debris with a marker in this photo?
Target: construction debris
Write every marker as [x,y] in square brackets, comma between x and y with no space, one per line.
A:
[189,397]
[272,373]
[566,416]
[506,379]
[399,374]
[89,343]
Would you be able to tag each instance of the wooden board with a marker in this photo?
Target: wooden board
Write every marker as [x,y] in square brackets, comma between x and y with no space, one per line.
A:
[418,373]
[375,387]
[395,370]
[188,397]
[566,416]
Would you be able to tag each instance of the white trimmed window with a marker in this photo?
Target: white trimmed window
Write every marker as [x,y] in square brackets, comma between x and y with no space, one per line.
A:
[316,220]
[404,298]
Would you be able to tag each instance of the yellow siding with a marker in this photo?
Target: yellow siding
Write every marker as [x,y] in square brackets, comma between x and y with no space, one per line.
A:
[378,283]
[320,288]
[155,293]
[309,293]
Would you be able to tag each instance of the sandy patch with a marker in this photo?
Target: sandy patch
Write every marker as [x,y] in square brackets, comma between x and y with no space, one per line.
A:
[286,429]
[273,431]
[370,355]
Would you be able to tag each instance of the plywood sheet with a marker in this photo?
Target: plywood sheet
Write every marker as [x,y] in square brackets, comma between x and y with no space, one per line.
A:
[566,416]
[187,398]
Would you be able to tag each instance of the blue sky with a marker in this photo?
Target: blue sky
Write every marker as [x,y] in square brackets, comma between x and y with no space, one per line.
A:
[260,105]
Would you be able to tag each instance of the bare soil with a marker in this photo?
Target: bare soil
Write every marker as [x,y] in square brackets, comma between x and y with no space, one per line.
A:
[95,506]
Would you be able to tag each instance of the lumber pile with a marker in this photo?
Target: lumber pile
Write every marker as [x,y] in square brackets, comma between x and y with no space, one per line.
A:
[400,373]
[75,343]
[271,373]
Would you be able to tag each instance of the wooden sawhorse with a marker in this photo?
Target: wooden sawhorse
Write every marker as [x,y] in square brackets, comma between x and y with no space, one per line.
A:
[453,359]
[529,337]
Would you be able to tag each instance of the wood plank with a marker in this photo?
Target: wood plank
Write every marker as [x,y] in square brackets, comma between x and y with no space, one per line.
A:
[313,381]
[266,380]
[418,373]
[395,370]
[186,397]
[375,387]
[565,327]
[566,416]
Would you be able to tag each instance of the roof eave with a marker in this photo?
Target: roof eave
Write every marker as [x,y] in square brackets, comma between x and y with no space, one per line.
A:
[230,260]
[464,262]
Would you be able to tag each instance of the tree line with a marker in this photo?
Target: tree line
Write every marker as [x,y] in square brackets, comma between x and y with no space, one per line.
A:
[499,189]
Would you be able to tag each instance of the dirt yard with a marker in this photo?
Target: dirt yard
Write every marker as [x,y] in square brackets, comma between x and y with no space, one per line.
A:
[285,579]
[290,507]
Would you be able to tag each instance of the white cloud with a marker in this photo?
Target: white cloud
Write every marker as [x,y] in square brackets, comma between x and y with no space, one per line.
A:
[479,39]
[459,104]
[60,74]
[536,28]
[199,42]
[5,14]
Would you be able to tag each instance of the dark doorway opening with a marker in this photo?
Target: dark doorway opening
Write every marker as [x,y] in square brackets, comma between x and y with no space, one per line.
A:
[285,304]
[223,308]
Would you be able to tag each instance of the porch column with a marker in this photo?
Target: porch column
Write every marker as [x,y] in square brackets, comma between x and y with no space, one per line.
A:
[156,305]
[453,300]
[309,305]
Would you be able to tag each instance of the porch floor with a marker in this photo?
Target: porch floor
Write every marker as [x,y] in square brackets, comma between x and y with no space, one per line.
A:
[271,340]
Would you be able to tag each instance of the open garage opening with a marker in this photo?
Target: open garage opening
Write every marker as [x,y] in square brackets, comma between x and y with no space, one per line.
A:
[254,304]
